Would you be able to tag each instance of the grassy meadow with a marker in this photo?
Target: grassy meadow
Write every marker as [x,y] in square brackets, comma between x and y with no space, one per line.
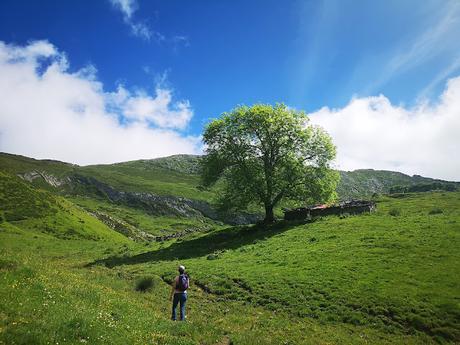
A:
[390,277]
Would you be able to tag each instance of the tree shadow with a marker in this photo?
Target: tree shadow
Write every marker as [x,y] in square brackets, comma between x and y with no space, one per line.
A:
[230,238]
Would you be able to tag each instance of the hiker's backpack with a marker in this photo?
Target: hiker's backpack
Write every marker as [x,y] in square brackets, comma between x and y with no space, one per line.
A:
[182,283]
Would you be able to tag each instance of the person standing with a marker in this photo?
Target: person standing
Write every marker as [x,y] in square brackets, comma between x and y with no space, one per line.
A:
[179,293]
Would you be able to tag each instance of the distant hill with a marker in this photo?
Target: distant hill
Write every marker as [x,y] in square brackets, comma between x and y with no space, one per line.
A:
[178,176]
[363,183]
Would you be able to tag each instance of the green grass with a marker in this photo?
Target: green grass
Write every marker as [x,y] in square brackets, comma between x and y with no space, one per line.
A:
[140,178]
[48,297]
[16,164]
[20,201]
[370,279]
[176,175]
[155,225]
[42,212]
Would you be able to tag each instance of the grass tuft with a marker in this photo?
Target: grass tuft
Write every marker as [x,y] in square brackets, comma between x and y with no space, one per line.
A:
[436,210]
[145,284]
[394,212]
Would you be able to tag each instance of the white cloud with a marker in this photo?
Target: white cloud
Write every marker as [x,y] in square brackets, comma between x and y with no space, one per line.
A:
[128,8]
[370,132]
[141,30]
[157,110]
[48,112]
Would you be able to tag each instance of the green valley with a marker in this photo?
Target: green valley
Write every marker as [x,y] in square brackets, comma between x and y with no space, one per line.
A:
[77,241]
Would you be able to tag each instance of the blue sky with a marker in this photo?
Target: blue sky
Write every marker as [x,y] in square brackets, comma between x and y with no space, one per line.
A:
[214,55]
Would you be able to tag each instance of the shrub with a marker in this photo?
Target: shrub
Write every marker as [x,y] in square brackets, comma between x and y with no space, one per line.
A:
[145,284]
[436,210]
[394,212]
[446,333]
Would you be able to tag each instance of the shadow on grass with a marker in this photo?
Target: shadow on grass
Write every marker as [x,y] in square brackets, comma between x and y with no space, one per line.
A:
[230,238]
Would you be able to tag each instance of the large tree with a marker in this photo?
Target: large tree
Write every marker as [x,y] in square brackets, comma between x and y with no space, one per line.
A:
[264,154]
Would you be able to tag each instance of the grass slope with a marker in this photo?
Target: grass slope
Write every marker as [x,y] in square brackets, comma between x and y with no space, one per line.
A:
[145,177]
[155,225]
[386,278]
[40,211]
[16,164]
[175,175]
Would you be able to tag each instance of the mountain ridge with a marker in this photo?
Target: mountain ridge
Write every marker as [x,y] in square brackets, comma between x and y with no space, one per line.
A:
[165,174]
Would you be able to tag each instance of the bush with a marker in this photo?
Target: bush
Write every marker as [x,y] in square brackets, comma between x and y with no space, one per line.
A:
[436,210]
[446,333]
[394,212]
[145,284]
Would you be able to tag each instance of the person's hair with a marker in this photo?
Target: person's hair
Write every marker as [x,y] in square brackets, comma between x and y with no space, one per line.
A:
[181,269]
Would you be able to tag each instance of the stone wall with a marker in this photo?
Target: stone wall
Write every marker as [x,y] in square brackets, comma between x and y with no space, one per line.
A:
[349,207]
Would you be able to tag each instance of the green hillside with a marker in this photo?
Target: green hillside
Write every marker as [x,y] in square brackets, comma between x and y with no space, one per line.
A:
[76,242]
[384,278]
[178,176]
[366,182]
[38,211]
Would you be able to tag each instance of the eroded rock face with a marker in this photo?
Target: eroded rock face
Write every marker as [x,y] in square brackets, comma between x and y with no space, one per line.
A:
[29,176]
[123,227]
[48,178]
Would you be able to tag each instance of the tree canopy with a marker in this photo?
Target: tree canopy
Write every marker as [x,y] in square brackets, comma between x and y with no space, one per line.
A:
[264,154]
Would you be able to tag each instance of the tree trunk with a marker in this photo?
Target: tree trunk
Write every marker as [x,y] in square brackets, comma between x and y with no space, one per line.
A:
[269,216]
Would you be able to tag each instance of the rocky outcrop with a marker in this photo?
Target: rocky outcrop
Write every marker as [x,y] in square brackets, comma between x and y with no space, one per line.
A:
[161,205]
[48,178]
[122,227]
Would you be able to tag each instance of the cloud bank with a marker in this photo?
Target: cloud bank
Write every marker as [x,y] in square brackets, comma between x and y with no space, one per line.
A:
[48,112]
[371,132]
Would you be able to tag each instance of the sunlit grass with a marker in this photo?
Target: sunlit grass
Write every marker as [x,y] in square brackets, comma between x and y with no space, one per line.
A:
[361,279]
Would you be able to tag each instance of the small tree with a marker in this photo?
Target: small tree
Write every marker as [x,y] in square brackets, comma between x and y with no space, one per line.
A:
[264,154]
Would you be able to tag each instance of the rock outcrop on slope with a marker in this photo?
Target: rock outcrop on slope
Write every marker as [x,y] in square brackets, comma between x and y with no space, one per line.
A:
[160,205]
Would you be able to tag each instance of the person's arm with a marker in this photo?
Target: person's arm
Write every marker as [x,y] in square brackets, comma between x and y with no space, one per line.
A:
[173,288]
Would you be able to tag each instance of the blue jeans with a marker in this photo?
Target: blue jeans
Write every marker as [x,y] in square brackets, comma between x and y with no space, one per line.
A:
[182,298]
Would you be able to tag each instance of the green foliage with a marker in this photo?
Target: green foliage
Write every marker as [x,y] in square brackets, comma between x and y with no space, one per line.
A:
[264,154]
